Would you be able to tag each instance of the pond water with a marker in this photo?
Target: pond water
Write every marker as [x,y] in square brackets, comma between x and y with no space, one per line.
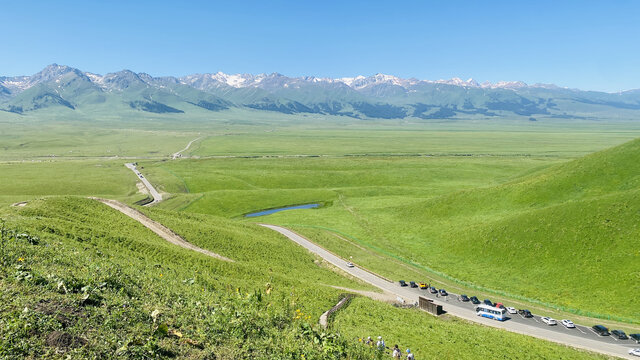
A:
[272,211]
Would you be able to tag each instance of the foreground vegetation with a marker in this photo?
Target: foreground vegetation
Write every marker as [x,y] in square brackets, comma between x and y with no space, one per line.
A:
[81,280]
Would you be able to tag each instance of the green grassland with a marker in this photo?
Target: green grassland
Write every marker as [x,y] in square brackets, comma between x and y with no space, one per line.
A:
[533,229]
[492,207]
[561,237]
[23,181]
[88,282]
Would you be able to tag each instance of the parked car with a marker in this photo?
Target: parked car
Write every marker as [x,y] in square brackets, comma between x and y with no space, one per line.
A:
[512,310]
[549,321]
[350,264]
[568,324]
[619,334]
[634,352]
[402,283]
[474,300]
[433,290]
[488,302]
[525,313]
[463,297]
[413,284]
[600,330]
[635,337]
[443,292]
[422,285]
[499,305]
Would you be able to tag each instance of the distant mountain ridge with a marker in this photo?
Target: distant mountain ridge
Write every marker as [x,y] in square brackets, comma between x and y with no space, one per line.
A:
[377,96]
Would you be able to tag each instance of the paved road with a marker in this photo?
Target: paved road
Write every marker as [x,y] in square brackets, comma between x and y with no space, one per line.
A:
[161,230]
[156,195]
[581,337]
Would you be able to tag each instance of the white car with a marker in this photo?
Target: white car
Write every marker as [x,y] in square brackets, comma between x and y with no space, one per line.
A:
[635,352]
[568,324]
[549,321]
[350,264]
[512,310]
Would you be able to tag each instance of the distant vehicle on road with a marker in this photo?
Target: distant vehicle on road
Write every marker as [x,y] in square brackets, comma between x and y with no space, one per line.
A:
[568,324]
[549,321]
[634,352]
[499,305]
[402,283]
[433,290]
[350,264]
[600,330]
[474,300]
[443,292]
[635,337]
[463,297]
[512,310]
[525,313]
[488,302]
[491,312]
[619,334]
[413,284]
[423,286]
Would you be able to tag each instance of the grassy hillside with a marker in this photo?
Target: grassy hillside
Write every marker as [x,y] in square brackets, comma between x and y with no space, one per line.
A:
[80,280]
[561,237]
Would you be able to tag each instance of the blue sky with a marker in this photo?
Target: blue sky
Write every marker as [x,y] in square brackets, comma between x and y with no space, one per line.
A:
[583,44]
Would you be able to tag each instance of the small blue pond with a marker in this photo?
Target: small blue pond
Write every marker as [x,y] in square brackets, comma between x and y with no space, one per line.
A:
[272,211]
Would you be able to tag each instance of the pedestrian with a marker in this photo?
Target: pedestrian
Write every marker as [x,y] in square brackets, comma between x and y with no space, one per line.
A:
[369,341]
[410,355]
[396,352]
[380,345]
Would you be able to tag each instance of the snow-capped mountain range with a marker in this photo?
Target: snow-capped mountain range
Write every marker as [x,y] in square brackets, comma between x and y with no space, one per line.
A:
[376,96]
[21,83]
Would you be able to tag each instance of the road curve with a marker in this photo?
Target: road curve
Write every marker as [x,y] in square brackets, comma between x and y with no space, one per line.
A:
[179,153]
[555,334]
[156,195]
[161,230]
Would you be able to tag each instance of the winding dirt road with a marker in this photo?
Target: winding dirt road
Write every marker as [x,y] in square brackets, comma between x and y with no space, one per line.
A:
[161,230]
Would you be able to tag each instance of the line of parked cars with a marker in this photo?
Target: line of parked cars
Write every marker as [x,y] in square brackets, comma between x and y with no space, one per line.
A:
[597,329]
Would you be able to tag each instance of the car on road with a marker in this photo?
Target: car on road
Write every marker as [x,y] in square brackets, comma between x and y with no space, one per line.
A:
[600,330]
[488,302]
[525,313]
[474,300]
[423,286]
[463,297]
[635,337]
[433,290]
[402,283]
[634,352]
[350,264]
[512,310]
[499,305]
[443,292]
[568,323]
[413,284]
[619,334]
[549,321]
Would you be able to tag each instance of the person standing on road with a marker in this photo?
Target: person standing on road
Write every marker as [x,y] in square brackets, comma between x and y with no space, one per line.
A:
[396,352]
[410,355]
